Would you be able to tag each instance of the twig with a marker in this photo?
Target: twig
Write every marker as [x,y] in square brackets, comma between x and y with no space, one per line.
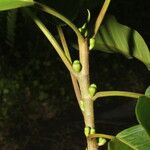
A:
[64,43]
[106,136]
[66,49]
[117,93]
[53,12]
[52,40]
[101,16]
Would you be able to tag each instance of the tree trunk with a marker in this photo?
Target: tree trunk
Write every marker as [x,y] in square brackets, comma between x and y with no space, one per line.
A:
[84,83]
[92,144]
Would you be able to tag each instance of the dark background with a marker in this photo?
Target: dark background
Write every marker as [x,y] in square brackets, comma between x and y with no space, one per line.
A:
[38,108]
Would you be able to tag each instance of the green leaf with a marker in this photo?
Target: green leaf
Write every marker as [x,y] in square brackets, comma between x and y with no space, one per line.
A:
[115,37]
[147,92]
[12,4]
[142,112]
[134,138]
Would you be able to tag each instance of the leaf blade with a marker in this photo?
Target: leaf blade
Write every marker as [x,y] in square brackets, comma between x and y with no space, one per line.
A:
[13,4]
[134,138]
[118,38]
[142,112]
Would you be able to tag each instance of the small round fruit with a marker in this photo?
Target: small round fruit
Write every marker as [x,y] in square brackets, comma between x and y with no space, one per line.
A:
[92,131]
[87,131]
[101,141]
[92,89]
[76,66]
[92,43]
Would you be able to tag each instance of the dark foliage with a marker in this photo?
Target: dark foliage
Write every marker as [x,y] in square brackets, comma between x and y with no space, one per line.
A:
[38,108]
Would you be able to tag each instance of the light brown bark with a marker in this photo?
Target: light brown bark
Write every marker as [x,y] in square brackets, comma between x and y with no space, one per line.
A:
[84,82]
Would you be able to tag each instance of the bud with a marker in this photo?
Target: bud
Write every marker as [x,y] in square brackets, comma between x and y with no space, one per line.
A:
[92,131]
[91,43]
[101,141]
[92,89]
[82,105]
[76,66]
[147,92]
[86,33]
[87,131]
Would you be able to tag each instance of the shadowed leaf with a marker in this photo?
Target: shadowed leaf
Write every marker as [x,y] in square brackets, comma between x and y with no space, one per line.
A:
[114,37]
[142,111]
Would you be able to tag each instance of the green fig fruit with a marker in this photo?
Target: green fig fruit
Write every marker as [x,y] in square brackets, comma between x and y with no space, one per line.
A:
[91,43]
[76,66]
[92,131]
[87,131]
[101,141]
[92,89]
